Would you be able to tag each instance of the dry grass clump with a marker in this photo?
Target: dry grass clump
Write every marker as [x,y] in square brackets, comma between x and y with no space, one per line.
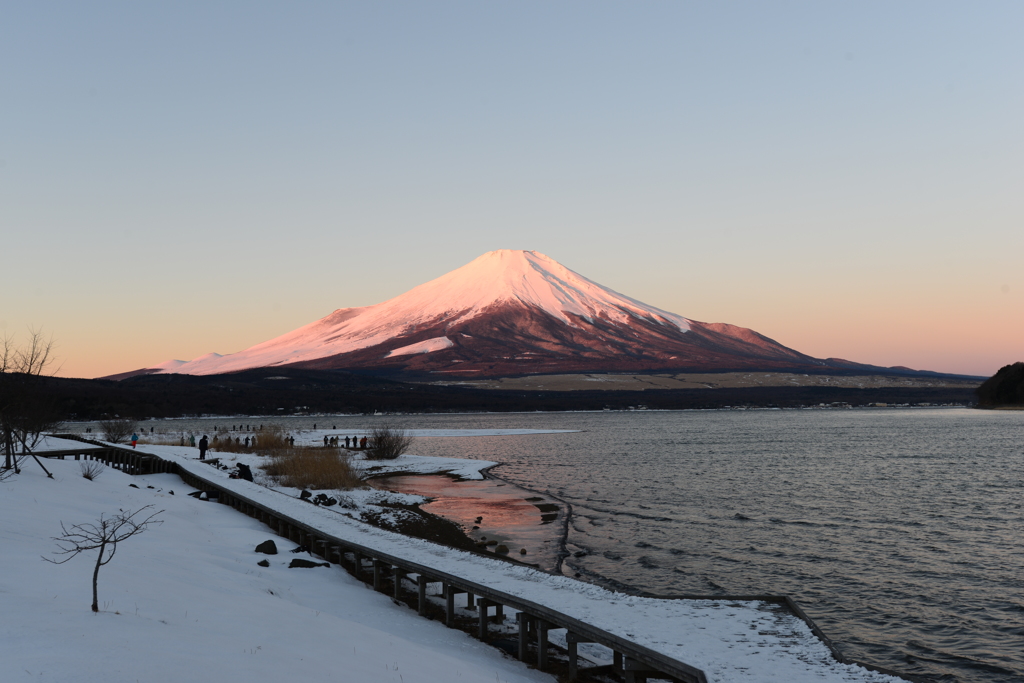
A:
[312,468]
[268,441]
[91,469]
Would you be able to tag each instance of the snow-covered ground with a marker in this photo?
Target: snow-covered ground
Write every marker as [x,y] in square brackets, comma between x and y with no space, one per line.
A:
[186,601]
[730,641]
[204,554]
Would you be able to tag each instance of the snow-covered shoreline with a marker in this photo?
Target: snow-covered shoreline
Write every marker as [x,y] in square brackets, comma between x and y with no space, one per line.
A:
[730,640]
[718,636]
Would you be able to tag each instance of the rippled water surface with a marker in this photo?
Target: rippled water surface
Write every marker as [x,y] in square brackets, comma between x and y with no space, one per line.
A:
[901,532]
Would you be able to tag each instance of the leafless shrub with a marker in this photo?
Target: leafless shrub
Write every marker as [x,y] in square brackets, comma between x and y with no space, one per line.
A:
[312,468]
[91,469]
[103,535]
[387,443]
[117,430]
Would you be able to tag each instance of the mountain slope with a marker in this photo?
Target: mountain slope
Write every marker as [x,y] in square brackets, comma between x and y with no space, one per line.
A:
[509,312]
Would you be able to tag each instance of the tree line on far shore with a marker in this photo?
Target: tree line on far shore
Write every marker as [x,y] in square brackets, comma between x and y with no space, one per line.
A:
[1005,388]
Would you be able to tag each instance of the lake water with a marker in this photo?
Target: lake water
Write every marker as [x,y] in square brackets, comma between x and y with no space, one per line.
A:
[899,531]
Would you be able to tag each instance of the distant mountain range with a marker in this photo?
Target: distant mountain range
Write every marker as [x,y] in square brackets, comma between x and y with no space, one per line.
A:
[512,312]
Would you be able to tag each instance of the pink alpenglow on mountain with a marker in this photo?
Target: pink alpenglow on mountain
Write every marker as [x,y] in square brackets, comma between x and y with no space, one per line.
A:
[509,312]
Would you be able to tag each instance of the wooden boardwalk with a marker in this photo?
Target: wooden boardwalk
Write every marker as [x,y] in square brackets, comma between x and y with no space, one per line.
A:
[127,460]
[410,582]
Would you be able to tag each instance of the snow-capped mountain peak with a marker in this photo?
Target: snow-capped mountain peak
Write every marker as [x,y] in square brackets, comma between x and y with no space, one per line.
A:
[507,310]
[526,277]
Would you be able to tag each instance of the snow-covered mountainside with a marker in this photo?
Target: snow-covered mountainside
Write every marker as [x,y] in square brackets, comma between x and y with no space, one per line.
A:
[508,312]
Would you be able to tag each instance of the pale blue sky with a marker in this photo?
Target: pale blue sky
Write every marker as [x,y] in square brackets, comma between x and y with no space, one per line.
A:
[193,177]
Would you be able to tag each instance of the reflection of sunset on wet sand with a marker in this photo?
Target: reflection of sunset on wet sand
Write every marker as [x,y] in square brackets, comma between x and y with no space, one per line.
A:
[491,511]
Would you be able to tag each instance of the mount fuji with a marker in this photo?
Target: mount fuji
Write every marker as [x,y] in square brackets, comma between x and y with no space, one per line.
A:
[510,312]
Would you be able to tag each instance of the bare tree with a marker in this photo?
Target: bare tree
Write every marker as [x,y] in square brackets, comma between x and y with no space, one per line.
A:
[387,443]
[103,535]
[118,429]
[26,408]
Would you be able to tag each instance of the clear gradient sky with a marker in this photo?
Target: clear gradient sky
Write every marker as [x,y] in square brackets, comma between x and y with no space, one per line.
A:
[846,178]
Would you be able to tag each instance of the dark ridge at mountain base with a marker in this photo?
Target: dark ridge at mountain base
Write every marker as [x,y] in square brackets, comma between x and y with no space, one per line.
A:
[276,392]
[1005,388]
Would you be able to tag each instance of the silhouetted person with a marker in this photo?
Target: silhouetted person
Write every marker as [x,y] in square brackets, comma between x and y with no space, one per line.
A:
[362,443]
[203,444]
[347,441]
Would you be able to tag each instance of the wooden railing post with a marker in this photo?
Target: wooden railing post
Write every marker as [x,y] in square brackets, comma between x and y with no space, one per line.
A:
[542,644]
[376,574]
[396,574]
[449,605]
[523,619]
[571,640]
[482,604]
[421,594]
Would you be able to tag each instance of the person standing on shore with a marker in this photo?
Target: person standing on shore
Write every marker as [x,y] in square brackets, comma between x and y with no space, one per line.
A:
[203,443]
[135,439]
